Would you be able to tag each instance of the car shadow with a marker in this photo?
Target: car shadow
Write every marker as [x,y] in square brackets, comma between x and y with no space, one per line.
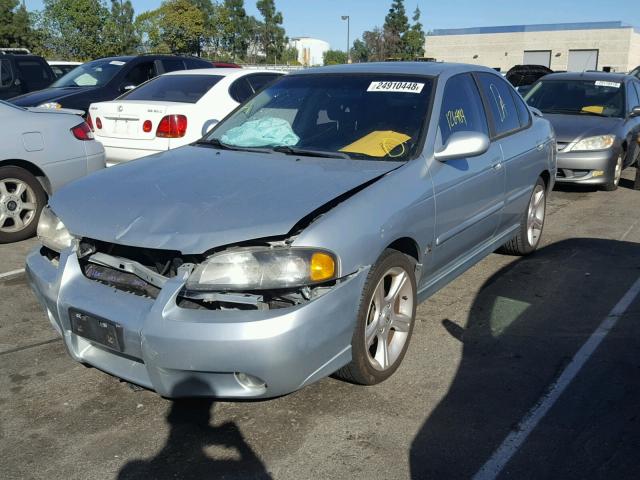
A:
[184,454]
[526,323]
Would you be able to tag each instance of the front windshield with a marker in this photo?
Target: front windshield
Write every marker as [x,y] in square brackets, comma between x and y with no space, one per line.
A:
[595,97]
[354,116]
[92,74]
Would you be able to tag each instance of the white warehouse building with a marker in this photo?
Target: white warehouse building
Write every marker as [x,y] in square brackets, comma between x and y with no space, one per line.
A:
[611,46]
[310,50]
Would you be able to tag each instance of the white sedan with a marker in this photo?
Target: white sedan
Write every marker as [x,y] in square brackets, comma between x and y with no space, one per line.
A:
[172,110]
[40,151]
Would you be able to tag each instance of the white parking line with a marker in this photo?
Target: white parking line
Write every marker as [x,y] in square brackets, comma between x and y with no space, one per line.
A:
[12,273]
[516,438]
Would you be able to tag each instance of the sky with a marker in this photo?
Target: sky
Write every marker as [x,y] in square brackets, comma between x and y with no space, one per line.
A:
[321,18]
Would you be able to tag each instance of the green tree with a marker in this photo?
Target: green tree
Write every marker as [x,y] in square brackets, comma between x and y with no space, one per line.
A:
[178,26]
[120,36]
[375,44]
[15,25]
[396,25]
[273,38]
[290,56]
[334,57]
[360,51]
[236,36]
[414,38]
[73,29]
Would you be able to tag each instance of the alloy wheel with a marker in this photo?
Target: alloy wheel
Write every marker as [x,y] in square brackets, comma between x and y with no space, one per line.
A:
[18,205]
[535,215]
[389,318]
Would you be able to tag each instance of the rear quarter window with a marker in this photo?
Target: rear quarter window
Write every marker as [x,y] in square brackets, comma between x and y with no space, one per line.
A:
[174,88]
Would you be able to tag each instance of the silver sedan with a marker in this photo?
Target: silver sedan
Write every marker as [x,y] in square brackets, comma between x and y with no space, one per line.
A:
[296,239]
[40,151]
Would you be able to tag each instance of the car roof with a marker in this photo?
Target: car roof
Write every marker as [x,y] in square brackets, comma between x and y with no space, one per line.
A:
[408,68]
[223,72]
[612,77]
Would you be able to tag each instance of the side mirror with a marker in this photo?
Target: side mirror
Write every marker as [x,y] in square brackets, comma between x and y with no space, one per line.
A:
[635,112]
[463,145]
[126,87]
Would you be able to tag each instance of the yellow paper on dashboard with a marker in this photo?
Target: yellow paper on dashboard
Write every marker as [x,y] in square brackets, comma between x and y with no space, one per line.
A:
[598,109]
[378,144]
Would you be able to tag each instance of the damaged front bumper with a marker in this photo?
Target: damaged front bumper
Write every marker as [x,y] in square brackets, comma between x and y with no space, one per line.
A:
[180,351]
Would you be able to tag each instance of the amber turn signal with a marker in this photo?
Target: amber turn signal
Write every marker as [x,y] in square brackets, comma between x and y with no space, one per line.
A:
[323,267]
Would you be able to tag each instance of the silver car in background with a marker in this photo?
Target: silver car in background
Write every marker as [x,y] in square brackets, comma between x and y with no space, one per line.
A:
[296,239]
[40,151]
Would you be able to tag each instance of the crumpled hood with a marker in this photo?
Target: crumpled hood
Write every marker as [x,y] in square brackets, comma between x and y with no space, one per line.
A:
[573,127]
[192,199]
[33,99]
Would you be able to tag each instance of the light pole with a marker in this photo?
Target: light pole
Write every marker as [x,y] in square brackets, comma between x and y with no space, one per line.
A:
[346,17]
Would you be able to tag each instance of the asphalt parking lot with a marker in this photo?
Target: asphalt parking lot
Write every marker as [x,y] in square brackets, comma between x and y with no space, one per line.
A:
[486,349]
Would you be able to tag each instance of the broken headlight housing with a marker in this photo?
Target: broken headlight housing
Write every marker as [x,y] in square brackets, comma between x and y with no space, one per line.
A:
[51,231]
[263,268]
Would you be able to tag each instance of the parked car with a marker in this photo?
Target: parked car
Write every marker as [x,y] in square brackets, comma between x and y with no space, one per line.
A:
[21,72]
[40,152]
[524,76]
[172,110]
[61,67]
[105,79]
[596,117]
[296,239]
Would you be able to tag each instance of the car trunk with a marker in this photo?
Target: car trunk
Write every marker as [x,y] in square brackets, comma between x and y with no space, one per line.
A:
[125,119]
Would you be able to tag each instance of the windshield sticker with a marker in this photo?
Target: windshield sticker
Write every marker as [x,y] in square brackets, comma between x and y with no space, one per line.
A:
[456,117]
[602,83]
[116,62]
[406,87]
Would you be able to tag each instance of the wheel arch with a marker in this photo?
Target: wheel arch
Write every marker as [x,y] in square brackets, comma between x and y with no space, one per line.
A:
[32,169]
[406,245]
[546,178]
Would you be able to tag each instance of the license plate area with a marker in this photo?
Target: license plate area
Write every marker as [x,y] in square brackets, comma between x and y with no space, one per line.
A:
[96,329]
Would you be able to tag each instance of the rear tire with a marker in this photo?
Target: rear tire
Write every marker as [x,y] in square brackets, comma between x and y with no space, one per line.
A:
[612,184]
[22,198]
[385,320]
[531,225]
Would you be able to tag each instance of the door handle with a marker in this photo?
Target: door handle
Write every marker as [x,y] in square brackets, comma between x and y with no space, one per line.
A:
[540,147]
[497,166]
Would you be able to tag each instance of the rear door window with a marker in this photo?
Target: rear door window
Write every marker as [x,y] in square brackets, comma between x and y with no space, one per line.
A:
[501,104]
[33,73]
[140,73]
[172,64]
[6,73]
[174,88]
[462,109]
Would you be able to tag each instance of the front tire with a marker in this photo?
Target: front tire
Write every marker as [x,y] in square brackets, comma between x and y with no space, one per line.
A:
[21,201]
[612,183]
[385,320]
[532,224]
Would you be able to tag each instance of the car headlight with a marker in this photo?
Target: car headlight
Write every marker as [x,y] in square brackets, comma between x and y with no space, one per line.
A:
[264,268]
[600,142]
[51,231]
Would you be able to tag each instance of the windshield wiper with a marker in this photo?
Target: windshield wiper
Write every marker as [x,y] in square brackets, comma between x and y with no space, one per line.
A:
[288,150]
[216,143]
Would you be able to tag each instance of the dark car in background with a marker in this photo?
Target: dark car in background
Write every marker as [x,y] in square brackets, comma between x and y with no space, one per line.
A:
[596,117]
[524,76]
[105,79]
[21,72]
